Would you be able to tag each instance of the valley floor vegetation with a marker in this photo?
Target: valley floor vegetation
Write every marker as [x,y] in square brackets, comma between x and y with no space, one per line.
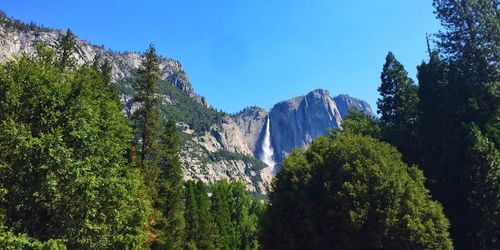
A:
[76,173]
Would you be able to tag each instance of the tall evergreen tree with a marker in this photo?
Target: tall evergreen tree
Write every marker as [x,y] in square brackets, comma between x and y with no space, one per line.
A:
[147,128]
[471,36]
[235,215]
[245,212]
[105,69]
[201,230]
[106,72]
[191,215]
[459,123]
[432,81]
[66,48]
[171,187]
[207,234]
[147,116]
[398,108]
[221,208]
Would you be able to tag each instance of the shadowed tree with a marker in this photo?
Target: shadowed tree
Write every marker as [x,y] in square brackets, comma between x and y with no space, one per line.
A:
[352,192]
[398,108]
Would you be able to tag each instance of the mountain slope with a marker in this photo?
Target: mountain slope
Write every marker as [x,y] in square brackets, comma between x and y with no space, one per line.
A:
[17,37]
[206,160]
[215,145]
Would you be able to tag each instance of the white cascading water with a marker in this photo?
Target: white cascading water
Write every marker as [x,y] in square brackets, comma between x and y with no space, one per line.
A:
[267,150]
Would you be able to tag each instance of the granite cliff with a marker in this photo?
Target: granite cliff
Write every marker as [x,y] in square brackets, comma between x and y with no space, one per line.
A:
[215,145]
[296,122]
[212,146]
[344,102]
[17,38]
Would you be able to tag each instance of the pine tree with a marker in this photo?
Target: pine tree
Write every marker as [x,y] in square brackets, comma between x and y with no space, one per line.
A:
[147,128]
[471,36]
[221,209]
[207,234]
[66,48]
[459,123]
[398,108]
[245,212]
[171,187]
[105,69]
[106,72]
[201,231]
[191,215]
[147,116]
[432,82]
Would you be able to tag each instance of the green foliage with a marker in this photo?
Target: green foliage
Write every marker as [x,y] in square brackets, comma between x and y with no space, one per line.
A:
[171,188]
[352,192]
[147,128]
[62,165]
[147,116]
[201,231]
[186,109]
[220,155]
[66,48]
[359,123]
[159,159]
[470,37]
[432,89]
[11,241]
[458,120]
[485,193]
[236,214]
[228,218]
[398,108]
[15,24]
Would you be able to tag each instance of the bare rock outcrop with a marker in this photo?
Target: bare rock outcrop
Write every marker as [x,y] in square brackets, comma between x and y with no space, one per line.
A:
[17,38]
[298,121]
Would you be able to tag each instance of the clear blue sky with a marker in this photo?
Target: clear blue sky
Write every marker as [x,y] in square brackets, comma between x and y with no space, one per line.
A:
[239,53]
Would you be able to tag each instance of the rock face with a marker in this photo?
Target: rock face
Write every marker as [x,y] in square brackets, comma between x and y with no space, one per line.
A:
[17,38]
[229,149]
[230,136]
[296,122]
[251,121]
[344,102]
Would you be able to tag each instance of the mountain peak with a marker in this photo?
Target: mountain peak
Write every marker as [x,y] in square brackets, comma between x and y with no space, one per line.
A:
[344,102]
[320,92]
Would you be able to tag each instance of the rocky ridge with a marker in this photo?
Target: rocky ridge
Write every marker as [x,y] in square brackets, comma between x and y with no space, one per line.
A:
[298,121]
[294,123]
[17,38]
[230,147]
[344,102]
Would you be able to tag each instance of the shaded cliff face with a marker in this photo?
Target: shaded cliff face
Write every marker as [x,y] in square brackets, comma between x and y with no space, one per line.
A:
[296,122]
[344,102]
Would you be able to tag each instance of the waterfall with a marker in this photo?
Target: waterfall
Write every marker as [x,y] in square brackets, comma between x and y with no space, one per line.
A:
[267,150]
